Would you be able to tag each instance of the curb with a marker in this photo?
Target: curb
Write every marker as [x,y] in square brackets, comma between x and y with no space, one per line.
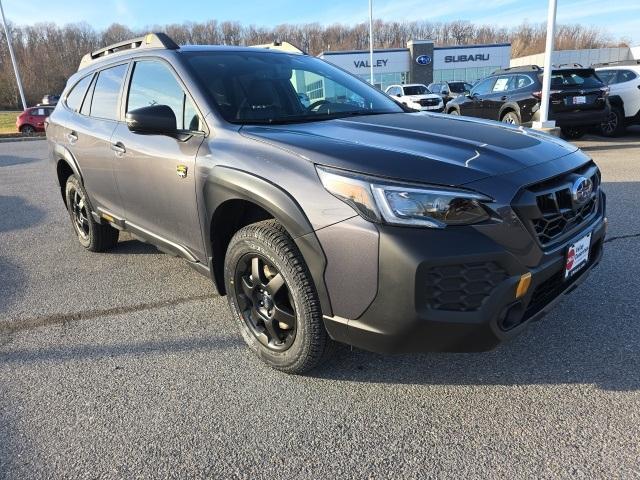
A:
[21,139]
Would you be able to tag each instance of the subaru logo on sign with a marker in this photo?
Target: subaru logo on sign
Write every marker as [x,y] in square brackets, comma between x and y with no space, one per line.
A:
[423,60]
[581,190]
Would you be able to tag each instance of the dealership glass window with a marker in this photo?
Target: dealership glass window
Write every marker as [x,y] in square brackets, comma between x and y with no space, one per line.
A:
[383,80]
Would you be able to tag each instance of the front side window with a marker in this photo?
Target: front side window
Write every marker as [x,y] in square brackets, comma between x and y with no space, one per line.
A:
[152,83]
[483,87]
[106,93]
[76,95]
[258,87]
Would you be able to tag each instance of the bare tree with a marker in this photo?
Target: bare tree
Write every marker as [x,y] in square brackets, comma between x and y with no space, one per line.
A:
[48,54]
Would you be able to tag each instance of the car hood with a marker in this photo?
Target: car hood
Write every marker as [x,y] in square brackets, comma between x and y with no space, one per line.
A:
[415,147]
[415,98]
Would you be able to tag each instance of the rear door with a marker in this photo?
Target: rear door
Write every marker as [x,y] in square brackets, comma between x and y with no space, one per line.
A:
[626,84]
[156,173]
[90,138]
[498,96]
[576,89]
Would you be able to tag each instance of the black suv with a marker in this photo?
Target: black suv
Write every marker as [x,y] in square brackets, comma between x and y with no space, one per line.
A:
[450,90]
[512,95]
[345,219]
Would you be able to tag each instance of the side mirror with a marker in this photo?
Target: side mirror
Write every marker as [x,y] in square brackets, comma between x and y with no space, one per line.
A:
[445,92]
[398,95]
[158,119]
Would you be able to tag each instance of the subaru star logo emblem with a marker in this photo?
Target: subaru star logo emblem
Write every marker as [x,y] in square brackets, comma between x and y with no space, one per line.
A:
[423,60]
[581,190]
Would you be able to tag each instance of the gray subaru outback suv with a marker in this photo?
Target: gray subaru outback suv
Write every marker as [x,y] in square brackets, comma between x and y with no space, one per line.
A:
[345,218]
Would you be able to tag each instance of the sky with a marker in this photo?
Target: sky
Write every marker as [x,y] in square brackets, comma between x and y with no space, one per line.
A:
[620,18]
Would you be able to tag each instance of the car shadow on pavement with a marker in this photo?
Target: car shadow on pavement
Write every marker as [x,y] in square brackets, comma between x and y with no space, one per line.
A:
[12,160]
[131,246]
[16,213]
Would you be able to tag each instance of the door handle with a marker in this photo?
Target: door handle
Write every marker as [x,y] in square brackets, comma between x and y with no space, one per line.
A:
[72,137]
[118,148]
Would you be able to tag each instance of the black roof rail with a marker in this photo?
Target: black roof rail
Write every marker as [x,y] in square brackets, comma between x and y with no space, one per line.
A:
[617,63]
[150,40]
[520,68]
[567,65]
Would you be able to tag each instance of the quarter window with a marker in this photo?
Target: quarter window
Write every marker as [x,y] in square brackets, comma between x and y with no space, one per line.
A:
[75,96]
[153,83]
[106,93]
[626,76]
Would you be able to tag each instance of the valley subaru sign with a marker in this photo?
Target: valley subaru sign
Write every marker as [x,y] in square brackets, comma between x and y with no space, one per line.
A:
[385,61]
[471,56]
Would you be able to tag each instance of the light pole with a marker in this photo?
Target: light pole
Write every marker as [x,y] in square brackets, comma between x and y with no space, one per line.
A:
[371,41]
[13,58]
[544,122]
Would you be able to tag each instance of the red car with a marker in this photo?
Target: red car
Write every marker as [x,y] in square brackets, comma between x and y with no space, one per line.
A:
[32,119]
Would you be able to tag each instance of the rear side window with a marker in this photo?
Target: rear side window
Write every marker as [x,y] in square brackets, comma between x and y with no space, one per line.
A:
[502,84]
[608,76]
[75,96]
[153,83]
[106,93]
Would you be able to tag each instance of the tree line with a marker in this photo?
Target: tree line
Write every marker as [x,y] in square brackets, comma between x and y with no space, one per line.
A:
[48,54]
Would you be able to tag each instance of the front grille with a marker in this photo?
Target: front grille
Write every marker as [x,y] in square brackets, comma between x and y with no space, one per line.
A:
[462,287]
[548,210]
[429,102]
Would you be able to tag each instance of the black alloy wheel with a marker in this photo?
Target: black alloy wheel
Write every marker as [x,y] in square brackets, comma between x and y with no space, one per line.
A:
[265,302]
[613,126]
[79,212]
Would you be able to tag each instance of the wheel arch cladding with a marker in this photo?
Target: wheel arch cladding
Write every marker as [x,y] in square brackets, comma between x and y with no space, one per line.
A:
[249,198]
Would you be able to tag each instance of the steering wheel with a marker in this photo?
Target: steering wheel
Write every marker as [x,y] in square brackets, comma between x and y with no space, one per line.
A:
[315,106]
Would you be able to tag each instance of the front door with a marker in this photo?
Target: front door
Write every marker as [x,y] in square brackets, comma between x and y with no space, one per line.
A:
[156,173]
[473,104]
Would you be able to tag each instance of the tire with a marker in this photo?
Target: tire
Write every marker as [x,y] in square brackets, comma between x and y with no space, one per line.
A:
[613,126]
[573,133]
[454,111]
[300,342]
[511,118]
[27,130]
[93,236]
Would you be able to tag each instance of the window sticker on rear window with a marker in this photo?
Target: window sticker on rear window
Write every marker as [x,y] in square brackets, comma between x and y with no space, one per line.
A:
[501,84]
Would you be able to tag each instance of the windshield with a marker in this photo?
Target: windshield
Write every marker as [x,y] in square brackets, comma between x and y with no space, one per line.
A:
[575,78]
[416,90]
[459,87]
[266,87]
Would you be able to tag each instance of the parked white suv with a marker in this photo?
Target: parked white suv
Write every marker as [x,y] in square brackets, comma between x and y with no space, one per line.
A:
[417,96]
[623,79]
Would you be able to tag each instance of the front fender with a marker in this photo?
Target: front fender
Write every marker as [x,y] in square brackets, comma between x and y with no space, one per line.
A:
[227,183]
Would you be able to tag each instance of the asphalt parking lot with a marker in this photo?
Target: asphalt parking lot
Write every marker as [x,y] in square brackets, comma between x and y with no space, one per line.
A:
[125,365]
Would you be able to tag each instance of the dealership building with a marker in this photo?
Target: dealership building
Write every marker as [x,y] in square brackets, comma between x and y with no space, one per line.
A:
[423,62]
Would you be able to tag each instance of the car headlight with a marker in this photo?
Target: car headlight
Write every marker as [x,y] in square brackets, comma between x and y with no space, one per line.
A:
[378,200]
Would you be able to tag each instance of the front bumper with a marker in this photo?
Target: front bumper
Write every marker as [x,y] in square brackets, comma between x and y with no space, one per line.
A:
[405,316]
